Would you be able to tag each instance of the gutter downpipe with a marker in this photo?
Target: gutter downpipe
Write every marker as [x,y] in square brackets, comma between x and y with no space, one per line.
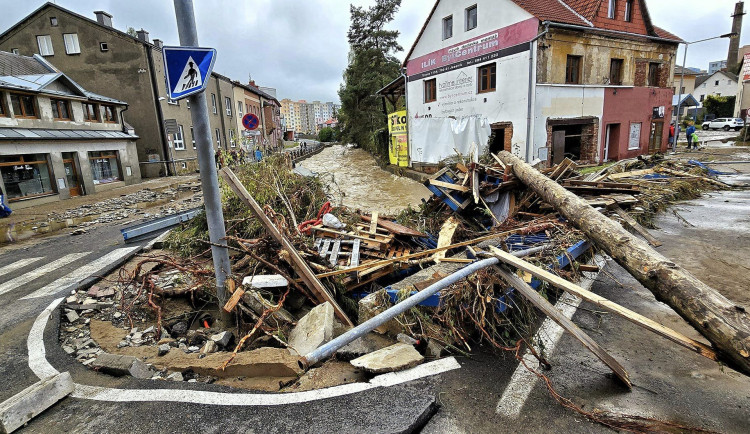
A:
[159,115]
[532,94]
[326,350]
[408,118]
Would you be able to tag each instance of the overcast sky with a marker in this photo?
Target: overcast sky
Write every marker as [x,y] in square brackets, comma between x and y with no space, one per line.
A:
[300,48]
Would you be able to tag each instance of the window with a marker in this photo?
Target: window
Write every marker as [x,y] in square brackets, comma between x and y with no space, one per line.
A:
[218,138]
[187,103]
[717,83]
[103,46]
[104,167]
[628,10]
[612,13]
[23,106]
[26,175]
[45,45]
[179,139]
[213,103]
[71,43]
[14,50]
[487,78]
[232,141]
[228,105]
[60,109]
[239,108]
[53,21]
[90,112]
[3,113]
[615,71]
[703,97]
[430,90]
[573,70]
[110,114]
[653,74]
[471,18]
[448,27]
[192,136]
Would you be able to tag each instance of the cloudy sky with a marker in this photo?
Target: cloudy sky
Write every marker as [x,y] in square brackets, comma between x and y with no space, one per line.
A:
[299,46]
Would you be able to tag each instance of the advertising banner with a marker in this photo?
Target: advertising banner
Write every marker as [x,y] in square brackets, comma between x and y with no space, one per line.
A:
[398,152]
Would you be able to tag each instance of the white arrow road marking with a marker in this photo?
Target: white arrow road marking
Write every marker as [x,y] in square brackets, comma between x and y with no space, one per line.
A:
[548,335]
[90,269]
[42,369]
[17,265]
[39,272]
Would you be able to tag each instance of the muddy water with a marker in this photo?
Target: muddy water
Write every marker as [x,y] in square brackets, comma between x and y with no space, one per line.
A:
[361,183]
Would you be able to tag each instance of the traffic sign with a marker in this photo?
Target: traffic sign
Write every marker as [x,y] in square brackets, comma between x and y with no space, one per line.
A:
[187,70]
[250,121]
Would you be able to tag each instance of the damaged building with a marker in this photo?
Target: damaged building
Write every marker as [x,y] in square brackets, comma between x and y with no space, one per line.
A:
[546,79]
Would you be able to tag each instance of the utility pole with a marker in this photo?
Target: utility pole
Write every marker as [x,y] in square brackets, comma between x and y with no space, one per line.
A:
[204,144]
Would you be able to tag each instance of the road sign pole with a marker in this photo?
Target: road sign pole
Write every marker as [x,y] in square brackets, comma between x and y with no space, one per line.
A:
[206,162]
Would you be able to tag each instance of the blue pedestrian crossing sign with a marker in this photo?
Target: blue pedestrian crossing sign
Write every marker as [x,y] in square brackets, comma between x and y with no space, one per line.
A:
[187,70]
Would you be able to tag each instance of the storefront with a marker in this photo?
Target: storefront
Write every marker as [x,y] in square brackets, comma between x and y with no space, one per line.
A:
[105,167]
[26,176]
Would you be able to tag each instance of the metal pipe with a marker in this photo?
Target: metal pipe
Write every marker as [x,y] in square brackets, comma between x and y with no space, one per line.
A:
[327,349]
[203,141]
[532,95]
[679,103]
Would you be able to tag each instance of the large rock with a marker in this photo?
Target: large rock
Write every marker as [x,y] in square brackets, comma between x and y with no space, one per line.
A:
[374,304]
[313,330]
[119,365]
[367,344]
[394,358]
[263,362]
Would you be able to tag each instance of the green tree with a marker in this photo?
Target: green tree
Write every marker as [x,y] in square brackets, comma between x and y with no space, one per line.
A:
[132,32]
[372,65]
[721,106]
[326,135]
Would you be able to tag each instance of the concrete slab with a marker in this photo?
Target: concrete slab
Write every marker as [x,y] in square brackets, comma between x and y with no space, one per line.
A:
[394,358]
[313,330]
[21,408]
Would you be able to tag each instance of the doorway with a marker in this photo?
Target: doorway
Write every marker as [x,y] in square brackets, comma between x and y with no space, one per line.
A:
[612,143]
[71,174]
[501,137]
[657,134]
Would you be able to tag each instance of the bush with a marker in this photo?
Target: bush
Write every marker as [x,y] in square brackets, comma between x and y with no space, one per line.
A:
[327,134]
[721,106]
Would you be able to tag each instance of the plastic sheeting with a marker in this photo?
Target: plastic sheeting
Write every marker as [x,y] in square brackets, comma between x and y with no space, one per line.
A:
[435,139]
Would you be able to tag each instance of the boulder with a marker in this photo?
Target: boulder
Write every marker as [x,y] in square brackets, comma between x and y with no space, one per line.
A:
[313,330]
[394,358]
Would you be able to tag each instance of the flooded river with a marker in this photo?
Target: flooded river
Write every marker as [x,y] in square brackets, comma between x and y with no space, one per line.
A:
[361,183]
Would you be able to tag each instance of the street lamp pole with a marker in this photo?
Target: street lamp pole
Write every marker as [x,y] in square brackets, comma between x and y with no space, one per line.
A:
[676,114]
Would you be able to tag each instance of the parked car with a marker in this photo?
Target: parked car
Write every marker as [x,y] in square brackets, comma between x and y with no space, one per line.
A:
[725,124]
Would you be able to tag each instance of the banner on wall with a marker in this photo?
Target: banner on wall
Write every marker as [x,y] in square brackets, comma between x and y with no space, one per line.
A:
[398,152]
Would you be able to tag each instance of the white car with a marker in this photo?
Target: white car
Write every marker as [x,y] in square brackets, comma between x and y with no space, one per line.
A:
[725,124]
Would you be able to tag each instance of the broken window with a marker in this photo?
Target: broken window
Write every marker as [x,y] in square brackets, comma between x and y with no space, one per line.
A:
[487,78]
[430,90]
[612,13]
[615,71]
[653,74]
[573,70]
[628,10]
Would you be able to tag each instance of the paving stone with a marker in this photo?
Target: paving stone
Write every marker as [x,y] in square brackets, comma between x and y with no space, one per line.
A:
[114,364]
[72,316]
[394,358]
[313,330]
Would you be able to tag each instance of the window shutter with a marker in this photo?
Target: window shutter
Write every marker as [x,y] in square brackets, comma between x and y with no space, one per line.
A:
[45,45]
[71,43]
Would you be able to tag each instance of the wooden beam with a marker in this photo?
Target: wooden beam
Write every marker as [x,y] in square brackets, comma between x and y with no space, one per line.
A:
[233,300]
[450,186]
[604,303]
[630,221]
[545,306]
[299,264]
[616,176]
[374,223]
[395,228]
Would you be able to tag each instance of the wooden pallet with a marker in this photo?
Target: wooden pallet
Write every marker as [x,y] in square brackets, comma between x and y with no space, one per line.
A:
[334,250]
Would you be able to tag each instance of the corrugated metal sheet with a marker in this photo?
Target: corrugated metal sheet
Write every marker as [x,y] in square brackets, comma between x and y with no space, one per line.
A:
[30,134]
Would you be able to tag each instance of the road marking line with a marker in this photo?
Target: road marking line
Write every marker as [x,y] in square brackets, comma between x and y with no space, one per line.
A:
[39,272]
[17,265]
[523,381]
[42,368]
[90,269]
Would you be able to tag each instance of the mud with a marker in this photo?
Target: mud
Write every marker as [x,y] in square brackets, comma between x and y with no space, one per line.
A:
[360,183]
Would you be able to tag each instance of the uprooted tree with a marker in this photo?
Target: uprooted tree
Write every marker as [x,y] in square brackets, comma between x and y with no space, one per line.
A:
[725,324]
[372,65]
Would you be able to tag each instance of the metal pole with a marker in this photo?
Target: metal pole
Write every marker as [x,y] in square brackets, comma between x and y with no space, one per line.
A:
[679,102]
[206,162]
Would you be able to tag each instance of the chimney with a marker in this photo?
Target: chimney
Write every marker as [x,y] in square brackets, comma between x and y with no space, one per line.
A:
[103,18]
[734,42]
[159,43]
[142,35]
[252,83]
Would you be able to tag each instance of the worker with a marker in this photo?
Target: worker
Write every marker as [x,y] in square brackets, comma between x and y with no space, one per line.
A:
[690,130]
[4,210]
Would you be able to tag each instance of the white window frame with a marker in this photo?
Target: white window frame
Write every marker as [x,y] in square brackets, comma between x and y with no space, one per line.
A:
[213,103]
[72,46]
[629,11]
[232,141]
[239,108]
[192,136]
[218,138]
[228,105]
[103,46]
[14,50]
[612,11]
[179,139]
[44,42]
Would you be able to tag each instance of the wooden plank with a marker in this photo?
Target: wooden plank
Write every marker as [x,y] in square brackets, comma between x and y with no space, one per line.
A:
[588,267]
[498,160]
[395,228]
[448,185]
[462,168]
[604,303]
[335,253]
[374,223]
[299,264]
[344,234]
[354,260]
[545,306]
[458,260]
[446,236]
[326,247]
[630,221]
[475,184]
[616,176]
[599,184]
[233,300]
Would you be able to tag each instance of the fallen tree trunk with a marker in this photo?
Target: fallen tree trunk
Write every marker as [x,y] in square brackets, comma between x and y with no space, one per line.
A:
[725,324]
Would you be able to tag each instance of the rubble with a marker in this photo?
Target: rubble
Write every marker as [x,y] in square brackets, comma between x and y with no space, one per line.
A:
[313,330]
[397,357]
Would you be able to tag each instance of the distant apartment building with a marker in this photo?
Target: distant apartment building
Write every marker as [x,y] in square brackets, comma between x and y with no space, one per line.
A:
[306,118]
[130,68]
[58,139]
[716,66]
